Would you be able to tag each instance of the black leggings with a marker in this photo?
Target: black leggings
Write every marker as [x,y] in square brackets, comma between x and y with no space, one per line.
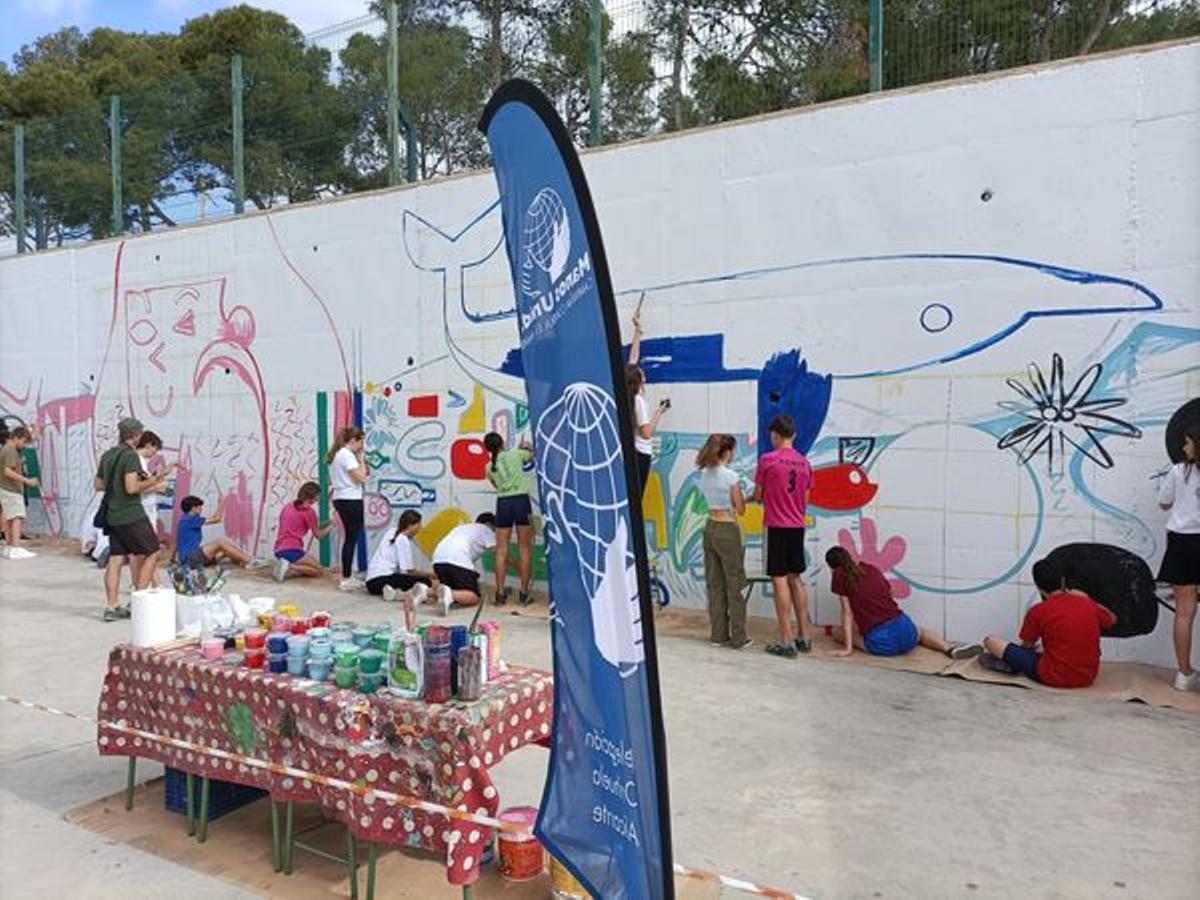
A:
[643,464]
[401,581]
[351,514]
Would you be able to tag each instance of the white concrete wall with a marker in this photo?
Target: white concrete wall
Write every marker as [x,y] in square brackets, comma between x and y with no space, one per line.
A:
[856,233]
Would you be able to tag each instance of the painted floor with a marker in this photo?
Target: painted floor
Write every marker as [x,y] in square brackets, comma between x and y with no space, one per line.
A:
[828,780]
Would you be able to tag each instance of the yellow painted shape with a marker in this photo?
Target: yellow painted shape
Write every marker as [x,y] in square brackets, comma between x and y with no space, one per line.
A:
[654,509]
[474,418]
[369,388]
[438,527]
[752,521]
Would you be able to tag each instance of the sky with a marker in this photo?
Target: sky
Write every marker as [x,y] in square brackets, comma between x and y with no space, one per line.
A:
[26,20]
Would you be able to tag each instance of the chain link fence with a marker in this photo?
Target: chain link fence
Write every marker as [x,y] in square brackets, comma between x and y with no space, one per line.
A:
[300,117]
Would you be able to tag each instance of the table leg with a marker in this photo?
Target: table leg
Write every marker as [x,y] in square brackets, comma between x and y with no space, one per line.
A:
[276,856]
[372,850]
[202,828]
[190,819]
[468,891]
[352,849]
[290,840]
[129,779]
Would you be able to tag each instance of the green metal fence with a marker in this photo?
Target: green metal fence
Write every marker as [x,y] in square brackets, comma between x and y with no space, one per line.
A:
[178,130]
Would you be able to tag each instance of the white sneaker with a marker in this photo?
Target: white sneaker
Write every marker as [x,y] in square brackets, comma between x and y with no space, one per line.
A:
[20,553]
[389,594]
[447,598]
[1187,682]
[4,552]
[281,569]
[419,594]
[350,584]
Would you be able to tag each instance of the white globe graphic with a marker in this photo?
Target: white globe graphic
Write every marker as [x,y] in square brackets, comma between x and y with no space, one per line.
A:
[547,235]
[579,450]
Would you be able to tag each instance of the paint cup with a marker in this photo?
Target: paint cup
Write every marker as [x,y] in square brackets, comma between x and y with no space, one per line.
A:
[277,641]
[369,682]
[341,634]
[255,638]
[299,626]
[320,650]
[281,622]
[239,643]
[345,678]
[492,629]
[320,619]
[521,855]
[363,635]
[370,661]
[298,644]
[479,640]
[382,640]
[470,673]
[277,663]
[212,648]
[437,664]
[255,659]
[319,633]
[296,665]
[318,669]
[346,655]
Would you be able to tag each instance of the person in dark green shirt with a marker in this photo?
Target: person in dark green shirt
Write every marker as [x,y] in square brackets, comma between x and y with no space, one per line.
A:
[507,474]
[129,531]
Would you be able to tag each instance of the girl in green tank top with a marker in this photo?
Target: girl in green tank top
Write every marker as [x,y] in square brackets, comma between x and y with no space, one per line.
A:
[506,472]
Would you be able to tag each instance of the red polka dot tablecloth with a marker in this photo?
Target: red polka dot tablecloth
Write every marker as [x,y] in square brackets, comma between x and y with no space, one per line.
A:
[435,752]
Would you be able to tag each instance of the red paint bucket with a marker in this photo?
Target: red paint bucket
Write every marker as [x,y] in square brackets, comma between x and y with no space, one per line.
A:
[521,855]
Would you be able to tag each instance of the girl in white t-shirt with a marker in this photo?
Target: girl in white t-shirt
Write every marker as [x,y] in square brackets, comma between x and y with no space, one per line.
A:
[724,569]
[348,472]
[455,557]
[392,565]
[644,424]
[1179,492]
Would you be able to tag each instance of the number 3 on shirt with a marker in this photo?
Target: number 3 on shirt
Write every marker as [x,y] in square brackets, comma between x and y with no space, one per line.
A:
[792,481]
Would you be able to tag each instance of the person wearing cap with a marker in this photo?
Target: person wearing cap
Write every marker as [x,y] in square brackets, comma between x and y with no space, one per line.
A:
[131,536]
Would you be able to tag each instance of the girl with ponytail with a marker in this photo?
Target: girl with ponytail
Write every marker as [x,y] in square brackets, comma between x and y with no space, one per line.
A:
[1179,493]
[724,570]
[393,566]
[348,472]
[296,521]
[506,472]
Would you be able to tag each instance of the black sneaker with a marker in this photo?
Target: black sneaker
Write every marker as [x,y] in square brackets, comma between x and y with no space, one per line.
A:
[111,614]
[787,651]
[964,651]
[995,664]
[502,598]
[803,646]
[525,598]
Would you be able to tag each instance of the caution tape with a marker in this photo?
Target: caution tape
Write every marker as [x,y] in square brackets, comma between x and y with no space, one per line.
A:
[377,793]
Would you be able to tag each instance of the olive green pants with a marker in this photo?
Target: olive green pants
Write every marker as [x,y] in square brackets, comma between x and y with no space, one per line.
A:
[726,578]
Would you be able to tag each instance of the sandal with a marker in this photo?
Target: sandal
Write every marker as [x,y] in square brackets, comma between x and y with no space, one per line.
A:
[787,651]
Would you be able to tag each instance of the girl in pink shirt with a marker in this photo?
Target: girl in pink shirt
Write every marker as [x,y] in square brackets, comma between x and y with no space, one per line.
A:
[296,521]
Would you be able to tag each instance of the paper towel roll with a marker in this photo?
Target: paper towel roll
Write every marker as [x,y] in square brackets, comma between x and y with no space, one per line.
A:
[153,616]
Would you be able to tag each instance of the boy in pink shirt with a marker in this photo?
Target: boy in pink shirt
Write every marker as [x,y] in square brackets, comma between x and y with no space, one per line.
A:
[782,482]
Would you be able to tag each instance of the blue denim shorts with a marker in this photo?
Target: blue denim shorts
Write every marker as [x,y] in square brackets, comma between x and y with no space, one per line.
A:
[892,638]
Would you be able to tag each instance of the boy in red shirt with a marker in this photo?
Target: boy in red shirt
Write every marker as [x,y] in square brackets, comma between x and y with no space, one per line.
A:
[781,483]
[1067,622]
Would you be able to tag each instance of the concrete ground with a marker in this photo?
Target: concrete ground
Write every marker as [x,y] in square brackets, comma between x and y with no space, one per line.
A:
[827,780]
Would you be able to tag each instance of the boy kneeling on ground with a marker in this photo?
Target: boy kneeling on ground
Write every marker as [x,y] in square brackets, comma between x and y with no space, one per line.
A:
[1067,622]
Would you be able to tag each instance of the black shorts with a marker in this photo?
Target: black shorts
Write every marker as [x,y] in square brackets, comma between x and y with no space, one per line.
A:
[1181,562]
[136,539]
[401,581]
[457,578]
[514,510]
[785,551]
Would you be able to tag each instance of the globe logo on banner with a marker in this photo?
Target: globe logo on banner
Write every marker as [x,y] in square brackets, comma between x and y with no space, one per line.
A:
[581,470]
[546,237]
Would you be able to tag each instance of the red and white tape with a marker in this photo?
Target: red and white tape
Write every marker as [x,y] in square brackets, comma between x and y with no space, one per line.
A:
[379,794]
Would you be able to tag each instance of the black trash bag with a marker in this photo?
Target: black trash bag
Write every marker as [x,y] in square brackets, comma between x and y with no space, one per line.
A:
[1117,579]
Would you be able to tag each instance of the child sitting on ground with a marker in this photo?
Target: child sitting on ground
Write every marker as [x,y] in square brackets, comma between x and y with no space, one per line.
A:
[392,568]
[872,621]
[297,521]
[455,557]
[190,550]
[1067,622]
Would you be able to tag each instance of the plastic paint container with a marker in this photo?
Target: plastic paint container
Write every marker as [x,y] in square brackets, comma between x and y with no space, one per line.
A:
[320,649]
[318,669]
[345,678]
[370,661]
[382,641]
[212,648]
[255,638]
[281,622]
[363,635]
[299,626]
[470,673]
[492,629]
[564,885]
[255,658]
[298,645]
[277,662]
[297,665]
[319,633]
[277,641]
[320,619]
[369,682]
[521,855]
[346,655]
[437,664]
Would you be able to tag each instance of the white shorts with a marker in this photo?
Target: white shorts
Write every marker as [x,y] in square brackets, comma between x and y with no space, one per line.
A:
[13,505]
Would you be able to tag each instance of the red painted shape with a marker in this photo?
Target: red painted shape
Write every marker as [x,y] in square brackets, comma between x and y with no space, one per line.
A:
[424,407]
[842,487]
[468,459]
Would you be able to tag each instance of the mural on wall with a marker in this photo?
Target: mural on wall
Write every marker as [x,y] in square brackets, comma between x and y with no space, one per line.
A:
[973,388]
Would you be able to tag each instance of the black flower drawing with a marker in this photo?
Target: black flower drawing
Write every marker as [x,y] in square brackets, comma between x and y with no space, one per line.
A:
[1056,415]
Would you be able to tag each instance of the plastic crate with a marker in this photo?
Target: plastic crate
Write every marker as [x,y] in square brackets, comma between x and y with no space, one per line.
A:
[223,796]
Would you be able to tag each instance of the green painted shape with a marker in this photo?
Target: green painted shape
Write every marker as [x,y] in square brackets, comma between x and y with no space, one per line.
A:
[32,470]
[540,571]
[522,415]
[323,471]
[239,722]
[687,526]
